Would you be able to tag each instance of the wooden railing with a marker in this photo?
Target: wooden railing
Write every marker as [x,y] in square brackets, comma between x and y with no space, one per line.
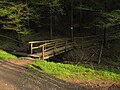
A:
[49,48]
[86,41]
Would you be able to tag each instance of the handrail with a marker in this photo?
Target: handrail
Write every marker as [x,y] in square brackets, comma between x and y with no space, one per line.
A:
[89,36]
[40,46]
[56,43]
[56,46]
[45,41]
[49,45]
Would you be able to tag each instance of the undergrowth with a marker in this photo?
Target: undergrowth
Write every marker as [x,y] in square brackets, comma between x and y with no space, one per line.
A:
[6,56]
[76,72]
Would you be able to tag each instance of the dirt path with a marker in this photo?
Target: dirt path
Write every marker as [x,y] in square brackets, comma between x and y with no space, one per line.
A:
[14,76]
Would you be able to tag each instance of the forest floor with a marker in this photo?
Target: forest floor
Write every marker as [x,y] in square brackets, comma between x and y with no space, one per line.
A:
[15,76]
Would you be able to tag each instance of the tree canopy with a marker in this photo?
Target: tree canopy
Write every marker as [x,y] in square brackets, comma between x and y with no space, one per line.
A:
[14,16]
[23,15]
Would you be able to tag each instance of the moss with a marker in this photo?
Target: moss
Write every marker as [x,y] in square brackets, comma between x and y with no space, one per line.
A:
[5,55]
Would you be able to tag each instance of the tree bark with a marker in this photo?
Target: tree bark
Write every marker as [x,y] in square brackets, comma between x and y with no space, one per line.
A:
[80,22]
[51,24]
[72,36]
[105,37]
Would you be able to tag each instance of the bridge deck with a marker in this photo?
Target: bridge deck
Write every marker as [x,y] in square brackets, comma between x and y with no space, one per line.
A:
[51,53]
[50,48]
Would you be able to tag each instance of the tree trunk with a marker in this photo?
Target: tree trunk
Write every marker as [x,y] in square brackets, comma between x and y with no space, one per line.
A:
[72,36]
[105,37]
[51,24]
[80,21]
[18,39]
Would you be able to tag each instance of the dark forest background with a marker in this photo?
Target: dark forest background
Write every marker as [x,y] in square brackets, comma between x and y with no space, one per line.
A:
[90,17]
[61,44]
[22,21]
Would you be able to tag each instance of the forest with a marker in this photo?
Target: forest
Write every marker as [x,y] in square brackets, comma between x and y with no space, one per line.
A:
[71,40]
[23,21]
[89,17]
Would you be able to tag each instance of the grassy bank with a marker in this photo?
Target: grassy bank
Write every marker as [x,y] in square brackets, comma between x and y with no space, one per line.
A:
[77,72]
[6,56]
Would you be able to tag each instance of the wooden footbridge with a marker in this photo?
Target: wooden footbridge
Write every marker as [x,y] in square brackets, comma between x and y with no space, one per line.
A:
[49,48]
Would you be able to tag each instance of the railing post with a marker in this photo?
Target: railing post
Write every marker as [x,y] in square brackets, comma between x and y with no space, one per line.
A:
[55,47]
[43,52]
[66,45]
[82,43]
[31,47]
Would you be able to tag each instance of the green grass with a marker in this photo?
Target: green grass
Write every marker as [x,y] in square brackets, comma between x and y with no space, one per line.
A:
[77,72]
[6,56]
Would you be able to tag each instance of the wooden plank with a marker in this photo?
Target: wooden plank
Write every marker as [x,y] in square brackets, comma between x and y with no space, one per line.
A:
[37,55]
[66,44]
[31,48]
[48,56]
[49,49]
[54,47]
[43,52]
[50,53]
[45,41]
[40,46]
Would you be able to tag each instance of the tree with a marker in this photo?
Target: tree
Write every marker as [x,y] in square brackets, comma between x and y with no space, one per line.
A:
[111,18]
[14,16]
[46,12]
